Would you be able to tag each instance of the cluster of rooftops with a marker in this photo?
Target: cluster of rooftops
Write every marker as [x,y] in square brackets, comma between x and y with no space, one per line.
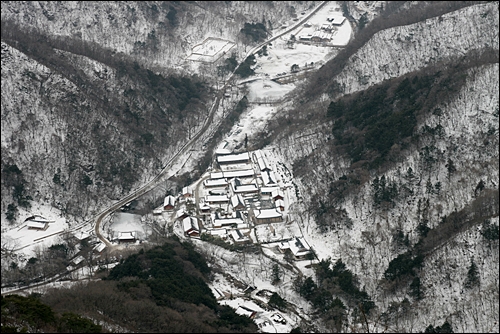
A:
[242,191]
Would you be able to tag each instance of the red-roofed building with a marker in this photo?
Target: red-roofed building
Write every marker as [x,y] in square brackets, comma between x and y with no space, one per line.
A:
[169,203]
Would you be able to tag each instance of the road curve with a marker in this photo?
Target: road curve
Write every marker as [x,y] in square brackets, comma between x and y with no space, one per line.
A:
[154,182]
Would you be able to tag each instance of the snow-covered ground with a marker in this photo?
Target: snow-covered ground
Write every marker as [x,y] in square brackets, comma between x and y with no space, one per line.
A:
[281,56]
[24,240]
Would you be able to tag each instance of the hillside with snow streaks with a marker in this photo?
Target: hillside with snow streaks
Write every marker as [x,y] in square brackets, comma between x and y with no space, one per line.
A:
[470,138]
[396,51]
[156,33]
[368,246]
[54,123]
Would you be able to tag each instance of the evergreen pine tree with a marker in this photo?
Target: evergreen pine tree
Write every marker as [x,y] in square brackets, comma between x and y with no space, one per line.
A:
[472,276]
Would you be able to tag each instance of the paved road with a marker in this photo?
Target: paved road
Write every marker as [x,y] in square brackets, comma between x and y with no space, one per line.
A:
[153,183]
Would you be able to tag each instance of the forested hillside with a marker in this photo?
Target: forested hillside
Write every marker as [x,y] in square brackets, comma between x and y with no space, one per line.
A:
[160,290]
[396,160]
[157,34]
[94,105]
[392,151]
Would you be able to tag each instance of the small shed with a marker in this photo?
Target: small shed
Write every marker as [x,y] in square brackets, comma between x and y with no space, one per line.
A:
[99,247]
[187,192]
[36,225]
[204,208]
[77,260]
[82,235]
[126,237]
[191,227]
[169,203]
[280,204]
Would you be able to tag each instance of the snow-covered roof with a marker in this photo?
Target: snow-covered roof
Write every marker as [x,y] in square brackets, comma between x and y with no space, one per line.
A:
[299,246]
[215,182]
[99,247]
[237,200]
[204,206]
[233,157]
[284,245]
[337,19]
[268,178]
[227,221]
[279,203]
[216,199]
[82,235]
[126,235]
[216,175]
[190,223]
[276,193]
[223,151]
[239,173]
[36,224]
[268,190]
[268,213]
[40,219]
[238,236]
[187,191]
[78,259]
[246,188]
[241,310]
[217,231]
[180,213]
[169,200]
[262,160]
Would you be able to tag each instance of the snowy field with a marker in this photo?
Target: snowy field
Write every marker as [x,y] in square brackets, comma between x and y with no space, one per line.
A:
[281,57]
[126,222]
[25,240]
[252,121]
[267,91]
[210,50]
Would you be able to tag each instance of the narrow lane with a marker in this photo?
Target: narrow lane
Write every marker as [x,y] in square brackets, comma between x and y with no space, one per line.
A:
[153,183]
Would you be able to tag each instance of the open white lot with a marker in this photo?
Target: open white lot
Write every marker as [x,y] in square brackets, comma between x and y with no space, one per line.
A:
[25,240]
[127,222]
[281,57]
[210,50]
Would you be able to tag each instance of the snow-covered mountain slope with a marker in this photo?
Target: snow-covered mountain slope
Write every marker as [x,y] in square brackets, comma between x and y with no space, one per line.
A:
[445,177]
[156,33]
[70,129]
[73,114]
[363,234]
[394,52]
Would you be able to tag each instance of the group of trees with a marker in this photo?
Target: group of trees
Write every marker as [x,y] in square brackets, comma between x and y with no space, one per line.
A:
[13,180]
[254,32]
[162,289]
[29,314]
[334,280]
[245,68]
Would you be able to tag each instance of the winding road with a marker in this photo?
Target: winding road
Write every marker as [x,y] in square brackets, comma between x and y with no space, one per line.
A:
[159,178]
